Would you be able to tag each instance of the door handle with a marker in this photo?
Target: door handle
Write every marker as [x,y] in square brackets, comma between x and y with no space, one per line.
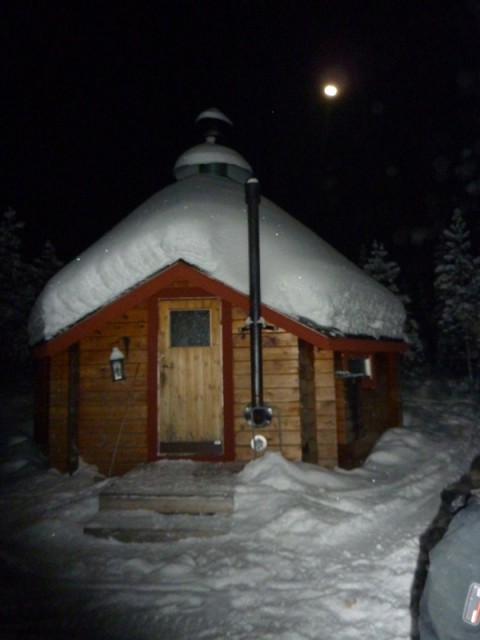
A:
[167,366]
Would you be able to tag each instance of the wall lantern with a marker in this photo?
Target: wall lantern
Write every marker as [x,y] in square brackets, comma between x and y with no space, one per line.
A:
[117,365]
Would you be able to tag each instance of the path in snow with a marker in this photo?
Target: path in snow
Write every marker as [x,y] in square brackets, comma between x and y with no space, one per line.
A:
[312,554]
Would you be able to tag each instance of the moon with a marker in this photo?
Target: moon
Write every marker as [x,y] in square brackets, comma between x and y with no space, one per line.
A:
[330,90]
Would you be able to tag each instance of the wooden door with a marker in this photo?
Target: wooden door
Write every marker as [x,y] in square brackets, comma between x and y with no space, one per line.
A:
[190,401]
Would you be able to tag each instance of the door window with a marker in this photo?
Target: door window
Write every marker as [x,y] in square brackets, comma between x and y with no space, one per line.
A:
[190,328]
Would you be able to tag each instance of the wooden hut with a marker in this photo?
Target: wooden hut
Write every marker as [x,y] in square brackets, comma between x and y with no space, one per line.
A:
[167,290]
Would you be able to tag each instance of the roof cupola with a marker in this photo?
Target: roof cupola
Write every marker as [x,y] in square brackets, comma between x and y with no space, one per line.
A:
[210,157]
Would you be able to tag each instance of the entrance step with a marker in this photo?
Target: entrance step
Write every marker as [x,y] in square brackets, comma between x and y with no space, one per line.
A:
[144,526]
[173,487]
[167,500]
[195,503]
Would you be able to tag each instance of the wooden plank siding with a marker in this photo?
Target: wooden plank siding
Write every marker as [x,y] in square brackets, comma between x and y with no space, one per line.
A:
[108,412]
[113,415]
[42,403]
[298,382]
[313,410]
[280,389]
[308,409]
[58,411]
[325,408]
[366,409]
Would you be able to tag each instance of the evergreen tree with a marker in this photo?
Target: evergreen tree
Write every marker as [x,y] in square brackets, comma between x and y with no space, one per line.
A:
[16,293]
[45,266]
[20,283]
[387,272]
[457,294]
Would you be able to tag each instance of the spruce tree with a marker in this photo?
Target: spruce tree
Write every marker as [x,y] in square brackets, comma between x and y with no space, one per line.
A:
[45,266]
[20,283]
[379,266]
[16,292]
[457,295]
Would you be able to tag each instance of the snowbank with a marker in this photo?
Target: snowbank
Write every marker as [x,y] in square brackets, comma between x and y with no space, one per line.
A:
[310,554]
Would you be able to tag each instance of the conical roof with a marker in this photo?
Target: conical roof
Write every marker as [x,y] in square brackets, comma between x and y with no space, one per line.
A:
[202,220]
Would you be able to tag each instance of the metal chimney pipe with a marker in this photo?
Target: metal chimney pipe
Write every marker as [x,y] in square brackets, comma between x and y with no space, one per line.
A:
[257,413]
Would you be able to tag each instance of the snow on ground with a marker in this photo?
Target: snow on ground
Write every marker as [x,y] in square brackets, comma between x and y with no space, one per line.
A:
[311,554]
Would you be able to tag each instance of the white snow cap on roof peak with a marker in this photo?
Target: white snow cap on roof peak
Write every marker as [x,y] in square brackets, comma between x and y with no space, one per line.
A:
[214,114]
[211,157]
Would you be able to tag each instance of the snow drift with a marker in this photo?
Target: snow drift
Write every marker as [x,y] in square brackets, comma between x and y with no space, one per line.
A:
[311,554]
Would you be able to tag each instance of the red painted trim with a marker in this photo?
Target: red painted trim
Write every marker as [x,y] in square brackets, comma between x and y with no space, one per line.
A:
[167,293]
[228,395]
[152,394]
[183,271]
[170,293]
[333,344]
[393,383]
[227,372]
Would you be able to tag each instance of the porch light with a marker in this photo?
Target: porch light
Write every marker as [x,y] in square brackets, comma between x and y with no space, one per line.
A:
[117,365]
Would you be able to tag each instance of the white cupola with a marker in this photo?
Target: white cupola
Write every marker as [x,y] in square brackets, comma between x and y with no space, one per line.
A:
[210,157]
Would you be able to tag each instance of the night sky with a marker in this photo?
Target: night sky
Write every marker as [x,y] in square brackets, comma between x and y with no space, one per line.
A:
[99,100]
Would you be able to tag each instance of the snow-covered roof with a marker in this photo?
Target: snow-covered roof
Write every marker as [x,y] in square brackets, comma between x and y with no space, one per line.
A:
[202,220]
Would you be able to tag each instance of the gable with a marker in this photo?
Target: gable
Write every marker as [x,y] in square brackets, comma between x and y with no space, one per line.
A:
[181,271]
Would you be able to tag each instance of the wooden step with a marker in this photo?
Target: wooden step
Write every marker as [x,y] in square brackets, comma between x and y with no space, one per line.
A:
[166,501]
[191,504]
[173,487]
[141,526]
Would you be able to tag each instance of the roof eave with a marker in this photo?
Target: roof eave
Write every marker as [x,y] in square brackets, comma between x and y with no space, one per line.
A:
[183,271]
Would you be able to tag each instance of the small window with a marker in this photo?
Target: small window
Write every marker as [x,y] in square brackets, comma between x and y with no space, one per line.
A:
[190,328]
[360,366]
[357,366]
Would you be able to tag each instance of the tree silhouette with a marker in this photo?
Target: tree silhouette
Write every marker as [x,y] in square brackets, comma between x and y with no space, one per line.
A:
[457,292]
[20,283]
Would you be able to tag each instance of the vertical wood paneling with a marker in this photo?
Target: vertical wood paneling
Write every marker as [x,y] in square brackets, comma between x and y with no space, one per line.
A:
[379,404]
[190,390]
[280,389]
[58,411]
[308,409]
[393,390]
[326,411]
[228,389]
[73,402]
[42,403]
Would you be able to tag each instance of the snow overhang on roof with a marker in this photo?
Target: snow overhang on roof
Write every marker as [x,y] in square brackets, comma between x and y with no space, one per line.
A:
[203,221]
